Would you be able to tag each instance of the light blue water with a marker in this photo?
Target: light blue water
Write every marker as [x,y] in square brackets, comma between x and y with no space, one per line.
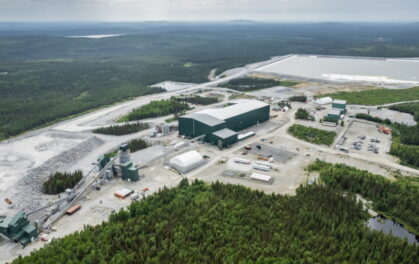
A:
[389,227]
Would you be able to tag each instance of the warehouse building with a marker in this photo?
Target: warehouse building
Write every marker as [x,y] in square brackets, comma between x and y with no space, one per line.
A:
[219,126]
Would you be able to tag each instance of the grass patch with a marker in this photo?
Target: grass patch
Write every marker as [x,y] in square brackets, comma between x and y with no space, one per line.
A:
[378,96]
[312,135]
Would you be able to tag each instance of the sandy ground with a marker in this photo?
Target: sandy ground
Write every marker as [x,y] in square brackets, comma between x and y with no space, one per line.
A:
[384,113]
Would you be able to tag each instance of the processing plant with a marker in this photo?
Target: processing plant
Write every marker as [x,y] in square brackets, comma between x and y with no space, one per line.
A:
[219,126]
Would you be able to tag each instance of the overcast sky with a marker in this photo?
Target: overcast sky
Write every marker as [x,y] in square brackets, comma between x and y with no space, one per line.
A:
[209,10]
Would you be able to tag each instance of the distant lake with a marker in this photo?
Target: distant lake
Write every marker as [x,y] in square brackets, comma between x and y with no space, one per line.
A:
[389,227]
[97,36]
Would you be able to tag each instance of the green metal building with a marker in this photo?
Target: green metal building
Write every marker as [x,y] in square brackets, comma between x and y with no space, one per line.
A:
[18,229]
[129,172]
[334,114]
[103,160]
[339,104]
[219,125]
[223,138]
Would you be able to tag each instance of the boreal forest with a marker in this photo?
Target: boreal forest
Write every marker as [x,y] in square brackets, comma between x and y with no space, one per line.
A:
[218,223]
[46,76]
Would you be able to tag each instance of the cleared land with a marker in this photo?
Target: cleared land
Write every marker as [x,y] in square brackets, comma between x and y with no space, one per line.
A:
[378,96]
[348,69]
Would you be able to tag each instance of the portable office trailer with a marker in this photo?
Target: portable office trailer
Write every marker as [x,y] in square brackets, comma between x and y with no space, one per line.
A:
[242,161]
[260,167]
[266,164]
[261,177]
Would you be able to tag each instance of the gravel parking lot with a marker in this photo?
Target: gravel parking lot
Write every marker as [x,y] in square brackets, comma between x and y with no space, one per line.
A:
[364,138]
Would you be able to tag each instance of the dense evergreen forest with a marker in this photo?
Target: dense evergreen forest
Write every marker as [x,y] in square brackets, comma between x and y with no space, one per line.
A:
[219,223]
[58,181]
[199,100]
[157,108]
[246,84]
[312,135]
[396,199]
[119,130]
[50,77]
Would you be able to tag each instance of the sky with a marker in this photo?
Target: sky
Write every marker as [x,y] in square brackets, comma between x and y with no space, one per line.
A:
[210,10]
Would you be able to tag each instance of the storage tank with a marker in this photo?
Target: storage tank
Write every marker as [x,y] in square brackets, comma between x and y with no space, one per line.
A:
[124,155]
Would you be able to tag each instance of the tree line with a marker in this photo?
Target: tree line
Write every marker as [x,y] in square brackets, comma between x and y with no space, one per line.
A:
[157,108]
[58,182]
[250,83]
[124,129]
[298,98]
[199,100]
[219,223]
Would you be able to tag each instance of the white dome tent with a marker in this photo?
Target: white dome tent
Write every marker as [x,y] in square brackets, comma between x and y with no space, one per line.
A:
[324,101]
[187,161]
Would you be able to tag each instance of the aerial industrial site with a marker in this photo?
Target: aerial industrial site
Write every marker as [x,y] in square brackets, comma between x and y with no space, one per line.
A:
[244,138]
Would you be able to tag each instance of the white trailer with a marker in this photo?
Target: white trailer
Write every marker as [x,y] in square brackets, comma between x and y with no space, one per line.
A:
[261,177]
[242,161]
[261,167]
[266,164]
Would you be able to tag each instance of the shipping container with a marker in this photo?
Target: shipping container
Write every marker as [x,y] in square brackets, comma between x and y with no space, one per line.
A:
[73,209]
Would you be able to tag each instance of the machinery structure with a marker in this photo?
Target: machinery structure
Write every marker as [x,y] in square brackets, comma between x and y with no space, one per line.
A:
[18,229]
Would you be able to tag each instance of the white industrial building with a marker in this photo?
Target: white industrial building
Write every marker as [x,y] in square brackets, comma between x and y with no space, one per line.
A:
[187,161]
